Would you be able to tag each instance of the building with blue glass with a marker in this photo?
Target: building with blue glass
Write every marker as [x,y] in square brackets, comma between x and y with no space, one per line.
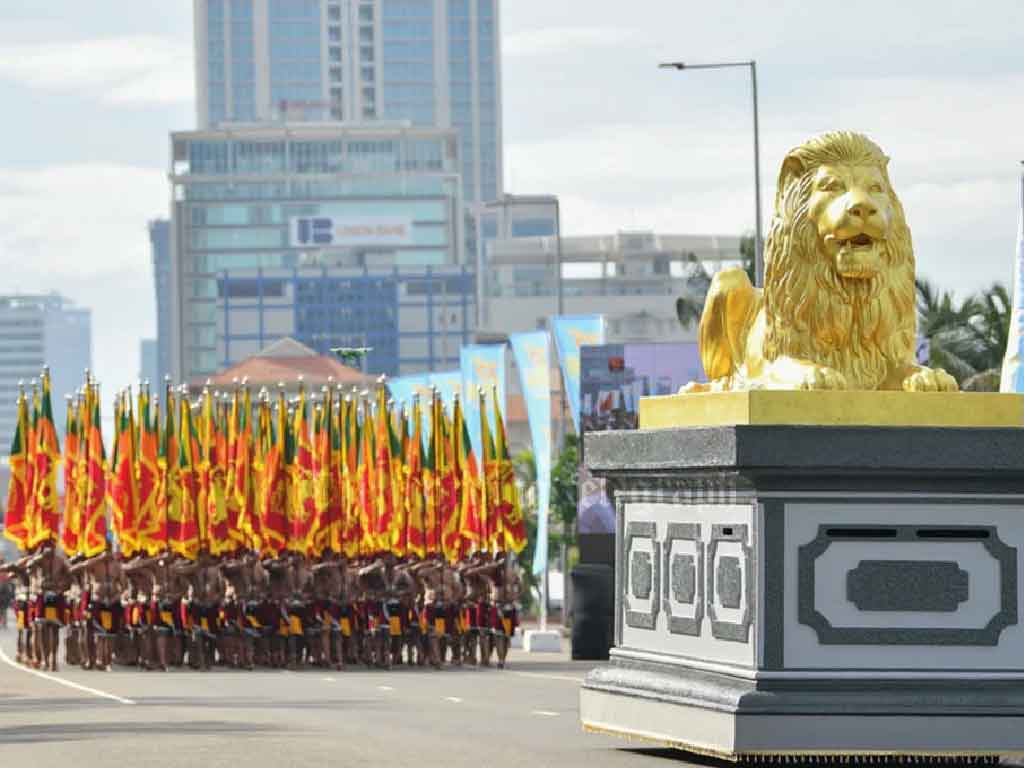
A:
[331,233]
[160,251]
[431,62]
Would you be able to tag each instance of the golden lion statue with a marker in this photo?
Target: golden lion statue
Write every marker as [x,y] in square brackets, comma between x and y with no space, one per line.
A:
[838,306]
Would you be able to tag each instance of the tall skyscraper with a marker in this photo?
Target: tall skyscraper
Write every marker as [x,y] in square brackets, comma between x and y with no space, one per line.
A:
[432,62]
[160,249]
[38,330]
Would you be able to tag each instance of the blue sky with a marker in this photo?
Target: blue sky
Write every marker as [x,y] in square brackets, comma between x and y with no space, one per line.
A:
[91,89]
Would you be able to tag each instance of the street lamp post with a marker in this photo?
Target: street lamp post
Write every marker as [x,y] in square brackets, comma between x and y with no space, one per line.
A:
[758,233]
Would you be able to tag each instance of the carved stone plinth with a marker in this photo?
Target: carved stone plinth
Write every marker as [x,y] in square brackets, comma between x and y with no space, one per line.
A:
[815,590]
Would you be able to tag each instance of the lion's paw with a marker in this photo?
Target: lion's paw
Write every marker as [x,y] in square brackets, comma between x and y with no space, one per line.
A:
[822,377]
[930,380]
[694,386]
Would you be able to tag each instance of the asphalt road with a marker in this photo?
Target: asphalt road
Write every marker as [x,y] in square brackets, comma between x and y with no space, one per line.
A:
[526,715]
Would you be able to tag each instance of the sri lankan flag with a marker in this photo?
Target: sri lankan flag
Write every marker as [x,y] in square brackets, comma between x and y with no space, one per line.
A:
[507,508]
[320,528]
[16,517]
[242,522]
[398,434]
[384,488]
[95,497]
[302,508]
[416,533]
[184,532]
[46,527]
[169,490]
[71,536]
[450,469]
[431,481]
[471,525]
[152,524]
[215,469]
[273,484]
[352,535]
[123,490]
[492,522]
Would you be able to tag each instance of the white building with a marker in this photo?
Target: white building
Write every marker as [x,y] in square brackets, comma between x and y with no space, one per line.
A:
[632,278]
[38,330]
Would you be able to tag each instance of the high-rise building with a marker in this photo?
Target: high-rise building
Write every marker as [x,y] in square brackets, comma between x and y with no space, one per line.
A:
[432,62]
[38,330]
[148,368]
[160,249]
[331,233]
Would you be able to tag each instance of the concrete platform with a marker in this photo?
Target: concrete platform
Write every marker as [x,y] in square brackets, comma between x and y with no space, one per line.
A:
[815,590]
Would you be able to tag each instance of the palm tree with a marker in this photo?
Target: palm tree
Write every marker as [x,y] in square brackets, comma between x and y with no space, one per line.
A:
[690,305]
[967,339]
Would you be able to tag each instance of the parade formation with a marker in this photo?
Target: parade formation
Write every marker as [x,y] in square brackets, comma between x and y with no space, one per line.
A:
[324,530]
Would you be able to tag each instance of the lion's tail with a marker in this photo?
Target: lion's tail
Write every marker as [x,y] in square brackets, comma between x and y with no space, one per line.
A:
[729,311]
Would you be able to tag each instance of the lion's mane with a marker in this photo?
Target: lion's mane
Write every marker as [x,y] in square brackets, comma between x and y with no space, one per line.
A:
[861,328]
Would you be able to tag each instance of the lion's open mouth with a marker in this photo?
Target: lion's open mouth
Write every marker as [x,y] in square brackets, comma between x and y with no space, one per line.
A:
[860,241]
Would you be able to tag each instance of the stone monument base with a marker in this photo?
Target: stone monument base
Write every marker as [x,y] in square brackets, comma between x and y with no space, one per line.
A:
[815,590]
[725,717]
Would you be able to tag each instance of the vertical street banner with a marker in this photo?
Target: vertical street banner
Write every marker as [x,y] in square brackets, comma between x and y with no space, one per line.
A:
[532,359]
[571,333]
[483,368]
[1013,372]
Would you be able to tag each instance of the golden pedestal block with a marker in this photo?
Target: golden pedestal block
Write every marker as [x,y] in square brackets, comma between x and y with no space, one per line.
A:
[833,408]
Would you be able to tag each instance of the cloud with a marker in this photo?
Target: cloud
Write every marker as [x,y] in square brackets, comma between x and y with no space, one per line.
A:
[80,230]
[118,71]
[554,40]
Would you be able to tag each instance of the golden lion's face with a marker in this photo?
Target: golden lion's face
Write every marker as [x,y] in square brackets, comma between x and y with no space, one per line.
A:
[851,207]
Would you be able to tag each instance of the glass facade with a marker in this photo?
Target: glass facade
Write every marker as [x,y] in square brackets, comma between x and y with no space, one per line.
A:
[407,31]
[487,85]
[415,319]
[217,104]
[460,83]
[296,85]
[241,203]
[243,66]
[431,62]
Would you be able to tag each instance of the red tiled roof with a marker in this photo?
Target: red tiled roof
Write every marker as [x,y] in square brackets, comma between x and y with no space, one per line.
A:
[267,371]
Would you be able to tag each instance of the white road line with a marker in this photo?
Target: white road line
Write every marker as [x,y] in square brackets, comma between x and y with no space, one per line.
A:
[385,688]
[329,679]
[565,678]
[102,694]
[453,699]
[545,713]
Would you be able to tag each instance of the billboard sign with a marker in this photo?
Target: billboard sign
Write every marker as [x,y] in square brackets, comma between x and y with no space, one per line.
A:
[337,232]
[613,378]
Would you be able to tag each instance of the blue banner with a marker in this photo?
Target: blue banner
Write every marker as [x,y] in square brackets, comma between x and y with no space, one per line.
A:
[448,385]
[571,333]
[483,368]
[403,388]
[533,361]
[1012,379]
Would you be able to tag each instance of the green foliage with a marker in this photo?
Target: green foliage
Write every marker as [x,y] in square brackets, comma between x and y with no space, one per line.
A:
[967,338]
[561,511]
[565,486]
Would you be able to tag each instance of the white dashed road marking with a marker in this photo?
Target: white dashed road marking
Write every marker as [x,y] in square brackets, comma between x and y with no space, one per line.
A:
[61,681]
[544,712]
[453,699]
